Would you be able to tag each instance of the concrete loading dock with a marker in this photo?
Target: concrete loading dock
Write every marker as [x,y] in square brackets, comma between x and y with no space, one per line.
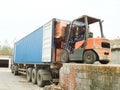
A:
[90,77]
[5,60]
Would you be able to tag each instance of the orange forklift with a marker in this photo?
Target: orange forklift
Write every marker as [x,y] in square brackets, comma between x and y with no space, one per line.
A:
[81,46]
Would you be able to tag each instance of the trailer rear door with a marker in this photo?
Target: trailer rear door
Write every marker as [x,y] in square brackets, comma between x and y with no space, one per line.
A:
[47,42]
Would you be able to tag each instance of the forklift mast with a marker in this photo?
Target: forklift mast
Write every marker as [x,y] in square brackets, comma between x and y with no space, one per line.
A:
[86,21]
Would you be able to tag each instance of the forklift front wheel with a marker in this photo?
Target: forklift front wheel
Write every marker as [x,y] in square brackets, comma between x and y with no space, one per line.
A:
[64,56]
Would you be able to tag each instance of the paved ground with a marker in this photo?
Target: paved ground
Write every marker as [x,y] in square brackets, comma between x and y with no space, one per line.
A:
[10,82]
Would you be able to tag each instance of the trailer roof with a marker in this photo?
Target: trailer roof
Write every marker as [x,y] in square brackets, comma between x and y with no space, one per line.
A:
[90,19]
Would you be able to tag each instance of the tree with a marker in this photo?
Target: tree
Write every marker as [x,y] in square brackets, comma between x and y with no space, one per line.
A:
[6,49]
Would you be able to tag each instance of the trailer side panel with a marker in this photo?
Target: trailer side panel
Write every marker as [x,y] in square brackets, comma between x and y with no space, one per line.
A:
[29,49]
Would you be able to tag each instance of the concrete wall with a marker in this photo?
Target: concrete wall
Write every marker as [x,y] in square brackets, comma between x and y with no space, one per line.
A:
[90,77]
[115,56]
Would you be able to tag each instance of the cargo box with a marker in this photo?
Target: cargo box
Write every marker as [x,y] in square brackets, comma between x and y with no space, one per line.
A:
[38,47]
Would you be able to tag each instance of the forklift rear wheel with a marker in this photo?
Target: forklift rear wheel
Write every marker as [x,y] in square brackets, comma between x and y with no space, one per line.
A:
[89,57]
[104,62]
[64,56]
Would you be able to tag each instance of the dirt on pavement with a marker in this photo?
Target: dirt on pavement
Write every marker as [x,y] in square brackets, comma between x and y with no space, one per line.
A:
[10,82]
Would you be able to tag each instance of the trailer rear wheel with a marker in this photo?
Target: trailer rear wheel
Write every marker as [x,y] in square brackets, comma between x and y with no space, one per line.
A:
[12,68]
[15,70]
[40,81]
[89,57]
[34,76]
[29,74]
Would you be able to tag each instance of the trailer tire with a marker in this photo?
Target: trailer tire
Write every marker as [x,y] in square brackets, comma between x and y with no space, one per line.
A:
[12,68]
[89,57]
[34,76]
[29,74]
[64,56]
[15,70]
[40,81]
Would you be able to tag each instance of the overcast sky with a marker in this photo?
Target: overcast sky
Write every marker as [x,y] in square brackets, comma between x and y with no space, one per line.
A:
[20,17]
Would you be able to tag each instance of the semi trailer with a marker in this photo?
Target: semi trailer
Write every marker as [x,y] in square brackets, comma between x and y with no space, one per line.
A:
[40,54]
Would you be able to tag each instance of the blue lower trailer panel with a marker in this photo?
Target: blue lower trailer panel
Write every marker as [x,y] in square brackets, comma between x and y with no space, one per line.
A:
[35,48]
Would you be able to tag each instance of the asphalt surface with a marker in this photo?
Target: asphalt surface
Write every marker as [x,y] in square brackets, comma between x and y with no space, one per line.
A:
[10,82]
